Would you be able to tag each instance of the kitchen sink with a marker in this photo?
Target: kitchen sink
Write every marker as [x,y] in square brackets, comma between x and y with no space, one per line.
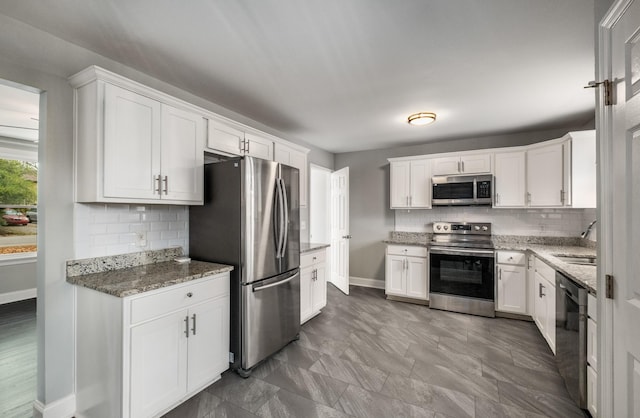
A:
[584,260]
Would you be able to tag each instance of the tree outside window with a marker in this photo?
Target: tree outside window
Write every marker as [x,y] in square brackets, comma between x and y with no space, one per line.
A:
[18,206]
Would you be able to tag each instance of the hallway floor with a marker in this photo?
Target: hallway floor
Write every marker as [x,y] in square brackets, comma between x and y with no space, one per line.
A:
[18,350]
[365,356]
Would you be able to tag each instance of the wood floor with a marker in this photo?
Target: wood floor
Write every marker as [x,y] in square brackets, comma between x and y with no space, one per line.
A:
[368,357]
[17,358]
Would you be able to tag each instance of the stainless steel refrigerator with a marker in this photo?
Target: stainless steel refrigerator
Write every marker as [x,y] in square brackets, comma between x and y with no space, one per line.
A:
[251,220]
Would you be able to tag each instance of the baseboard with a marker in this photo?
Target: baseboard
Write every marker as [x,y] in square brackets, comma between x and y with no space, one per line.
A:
[365,282]
[18,295]
[62,408]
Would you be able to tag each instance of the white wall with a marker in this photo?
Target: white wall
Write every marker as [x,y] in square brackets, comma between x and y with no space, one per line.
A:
[18,281]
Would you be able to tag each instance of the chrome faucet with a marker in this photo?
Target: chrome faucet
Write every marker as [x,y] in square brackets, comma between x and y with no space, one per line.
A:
[586,233]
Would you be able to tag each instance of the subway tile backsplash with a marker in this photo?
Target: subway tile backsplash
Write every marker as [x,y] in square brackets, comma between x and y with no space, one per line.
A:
[530,222]
[111,229]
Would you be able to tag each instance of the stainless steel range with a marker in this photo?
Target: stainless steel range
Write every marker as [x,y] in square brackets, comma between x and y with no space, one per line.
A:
[462,268]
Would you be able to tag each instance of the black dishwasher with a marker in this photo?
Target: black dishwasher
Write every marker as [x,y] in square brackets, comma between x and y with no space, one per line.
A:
[571,337]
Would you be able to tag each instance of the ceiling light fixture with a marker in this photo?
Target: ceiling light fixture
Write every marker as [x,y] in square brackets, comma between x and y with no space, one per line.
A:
[421,118]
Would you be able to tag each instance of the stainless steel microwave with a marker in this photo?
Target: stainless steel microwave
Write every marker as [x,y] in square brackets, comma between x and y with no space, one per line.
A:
[462,190]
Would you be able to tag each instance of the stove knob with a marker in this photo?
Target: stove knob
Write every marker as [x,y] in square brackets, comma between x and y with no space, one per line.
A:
[438,227]
[477,227]
[446,227]
[484,228]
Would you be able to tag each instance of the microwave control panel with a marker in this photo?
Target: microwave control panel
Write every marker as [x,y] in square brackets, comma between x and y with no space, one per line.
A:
[483,189]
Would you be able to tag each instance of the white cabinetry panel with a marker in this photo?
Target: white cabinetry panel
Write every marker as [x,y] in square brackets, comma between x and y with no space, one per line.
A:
[313,283]
[510,184]
[410,184]
[406,273]
[545,181]
[132,130]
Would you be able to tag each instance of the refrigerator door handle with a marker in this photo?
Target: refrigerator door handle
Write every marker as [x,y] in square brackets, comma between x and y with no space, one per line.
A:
[281,211]
[285,226]
[281,282]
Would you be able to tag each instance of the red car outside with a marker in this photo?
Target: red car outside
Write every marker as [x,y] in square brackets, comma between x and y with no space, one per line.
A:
[13,217]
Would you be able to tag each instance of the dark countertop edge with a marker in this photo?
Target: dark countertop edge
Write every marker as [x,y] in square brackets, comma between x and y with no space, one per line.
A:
[547,254]
[307,247]
[83,280]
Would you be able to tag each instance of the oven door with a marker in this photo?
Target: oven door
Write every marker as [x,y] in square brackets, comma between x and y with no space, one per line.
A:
[462,272]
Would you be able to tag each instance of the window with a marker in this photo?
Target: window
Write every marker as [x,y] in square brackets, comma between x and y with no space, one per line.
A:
[18,172]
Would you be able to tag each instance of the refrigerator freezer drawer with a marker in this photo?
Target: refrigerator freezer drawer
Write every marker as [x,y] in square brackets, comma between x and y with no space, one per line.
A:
[270,317]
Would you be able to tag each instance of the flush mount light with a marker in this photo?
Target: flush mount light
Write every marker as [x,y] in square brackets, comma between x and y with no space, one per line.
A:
[422,118]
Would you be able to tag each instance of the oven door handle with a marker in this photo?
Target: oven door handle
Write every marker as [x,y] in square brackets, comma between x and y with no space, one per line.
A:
[461,251]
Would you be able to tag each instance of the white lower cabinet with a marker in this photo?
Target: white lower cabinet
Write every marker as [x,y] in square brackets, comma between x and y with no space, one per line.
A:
[140,356]
[544,306]
[406,272]
[313,283]
[512,282]
[592,356]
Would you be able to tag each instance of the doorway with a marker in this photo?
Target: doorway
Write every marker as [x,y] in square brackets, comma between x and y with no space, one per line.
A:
[19,139]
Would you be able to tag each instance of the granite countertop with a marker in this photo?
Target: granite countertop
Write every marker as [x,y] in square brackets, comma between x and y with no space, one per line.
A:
[307,247]
[545,248]
[130,274]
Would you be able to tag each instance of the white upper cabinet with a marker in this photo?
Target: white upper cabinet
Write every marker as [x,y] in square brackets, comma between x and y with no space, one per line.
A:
[182,158]
[545,181]
[230,138]
[132,145]
[410,184]
[510,180]
[295,158]
[465,164]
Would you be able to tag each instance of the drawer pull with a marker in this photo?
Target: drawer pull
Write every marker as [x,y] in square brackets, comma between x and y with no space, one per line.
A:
[189,294]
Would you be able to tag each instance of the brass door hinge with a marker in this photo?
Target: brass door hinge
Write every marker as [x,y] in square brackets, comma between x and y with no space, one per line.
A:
[608,94]
[608,286]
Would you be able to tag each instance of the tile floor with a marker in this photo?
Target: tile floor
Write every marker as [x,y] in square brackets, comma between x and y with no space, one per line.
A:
[365,356]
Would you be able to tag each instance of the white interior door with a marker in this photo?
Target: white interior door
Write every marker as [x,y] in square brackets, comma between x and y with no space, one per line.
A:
[340,229]
[620,205]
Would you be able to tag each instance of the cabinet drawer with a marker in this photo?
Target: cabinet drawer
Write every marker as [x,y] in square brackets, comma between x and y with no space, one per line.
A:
[307,259]
[592,307]
[511,257]
[546,271]
[409,250]
[177,297]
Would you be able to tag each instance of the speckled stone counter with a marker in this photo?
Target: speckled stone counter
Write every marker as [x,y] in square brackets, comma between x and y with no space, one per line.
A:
[307,247]
[130,274]
[545,248]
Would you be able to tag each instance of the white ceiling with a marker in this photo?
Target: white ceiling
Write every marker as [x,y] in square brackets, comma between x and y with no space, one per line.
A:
[19,111]
[344,74]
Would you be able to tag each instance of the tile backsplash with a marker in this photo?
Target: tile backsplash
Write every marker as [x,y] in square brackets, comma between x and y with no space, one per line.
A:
[533,222]
[110,229]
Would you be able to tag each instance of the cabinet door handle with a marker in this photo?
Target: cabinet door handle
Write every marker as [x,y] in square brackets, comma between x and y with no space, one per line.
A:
[410,200]
[497,198]
[193,329]
[186,326]
[499,274]
[462,164]
[156,179]
[248,145]
[459,167]
[166,185]
[541,286]
[528,198]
